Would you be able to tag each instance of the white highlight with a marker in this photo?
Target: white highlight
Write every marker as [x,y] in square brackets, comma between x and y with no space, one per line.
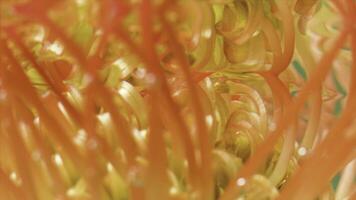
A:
[206,33]
[109,167]
[104,118]
[58,159]
[81,137]
[209,120]
[81,2]
[56,48]
[123,66]
[139,134]
[15,179]
[40,35]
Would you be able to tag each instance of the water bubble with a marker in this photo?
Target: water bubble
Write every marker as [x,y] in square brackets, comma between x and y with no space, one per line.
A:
[302,151]
[241,182]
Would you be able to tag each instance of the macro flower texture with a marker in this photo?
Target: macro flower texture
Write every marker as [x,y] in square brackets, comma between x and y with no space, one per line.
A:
[177,99]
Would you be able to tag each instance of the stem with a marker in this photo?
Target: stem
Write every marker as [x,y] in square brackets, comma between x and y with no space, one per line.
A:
[316,100]
[283,162]
[203,136]
[346,181]
[157,185]
[289,37]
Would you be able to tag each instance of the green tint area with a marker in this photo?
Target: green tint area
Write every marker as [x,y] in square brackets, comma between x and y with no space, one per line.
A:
[298,67]
[341,90]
